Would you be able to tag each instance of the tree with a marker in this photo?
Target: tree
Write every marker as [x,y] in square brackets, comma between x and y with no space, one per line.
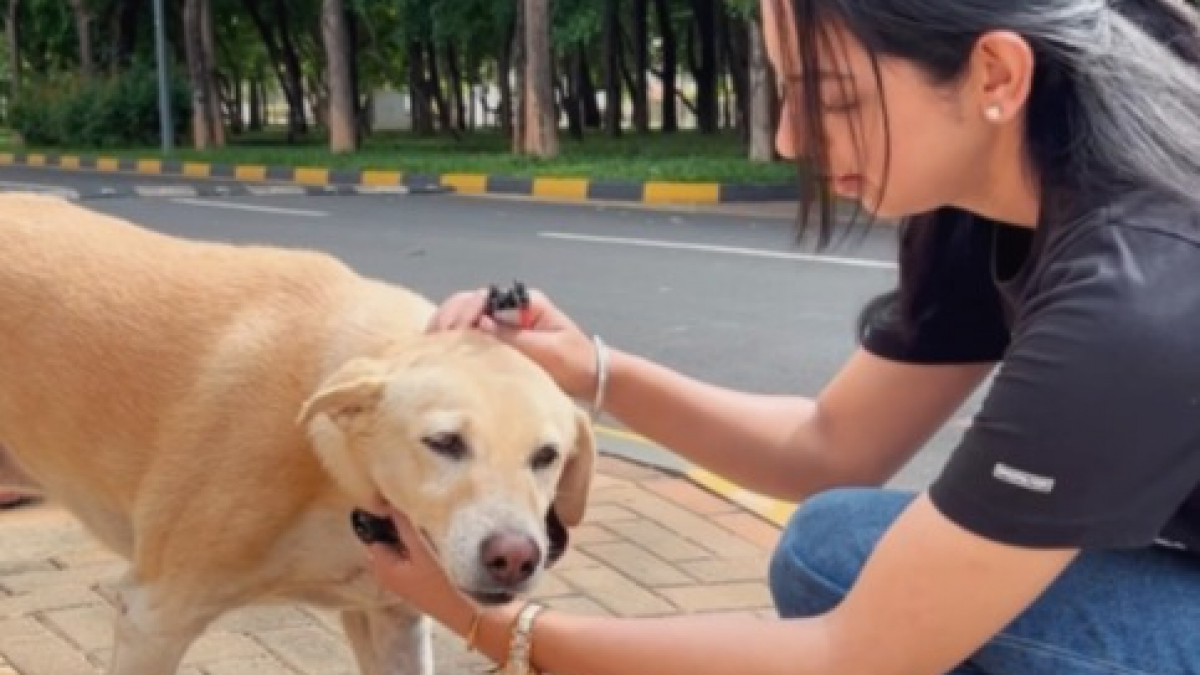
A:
[207,129]
[343,136]
[703,59]
[612,67]
[83,31]
[276,32]
[670,111]
[761,149]
[540,134]
[641,64]
[13,37]
[455,57]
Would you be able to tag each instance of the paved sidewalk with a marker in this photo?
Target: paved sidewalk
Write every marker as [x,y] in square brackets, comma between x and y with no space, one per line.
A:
[654,544]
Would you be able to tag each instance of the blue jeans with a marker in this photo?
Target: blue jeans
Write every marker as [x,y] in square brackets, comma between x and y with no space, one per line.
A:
[1114,612]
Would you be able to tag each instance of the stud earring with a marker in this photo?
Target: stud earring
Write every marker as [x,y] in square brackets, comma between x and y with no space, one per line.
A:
[993,113]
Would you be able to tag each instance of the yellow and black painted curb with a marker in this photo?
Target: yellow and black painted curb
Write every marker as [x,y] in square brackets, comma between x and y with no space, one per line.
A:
[352,180]
[772,510]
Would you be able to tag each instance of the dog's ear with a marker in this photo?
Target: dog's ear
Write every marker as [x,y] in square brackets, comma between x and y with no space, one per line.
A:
[341,401]
[352,390]
[571,497]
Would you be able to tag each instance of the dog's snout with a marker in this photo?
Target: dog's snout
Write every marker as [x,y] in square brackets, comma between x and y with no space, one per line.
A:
[510,557]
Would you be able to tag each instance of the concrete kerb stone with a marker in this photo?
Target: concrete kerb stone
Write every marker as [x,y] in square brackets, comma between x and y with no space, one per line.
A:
[327,181]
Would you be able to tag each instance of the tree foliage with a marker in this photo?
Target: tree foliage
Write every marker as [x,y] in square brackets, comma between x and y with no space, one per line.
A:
[457,60]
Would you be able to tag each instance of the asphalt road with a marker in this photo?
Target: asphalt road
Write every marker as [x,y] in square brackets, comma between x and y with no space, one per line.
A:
[727,298]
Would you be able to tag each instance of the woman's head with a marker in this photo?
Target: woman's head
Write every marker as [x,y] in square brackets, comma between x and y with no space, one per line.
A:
[913,106]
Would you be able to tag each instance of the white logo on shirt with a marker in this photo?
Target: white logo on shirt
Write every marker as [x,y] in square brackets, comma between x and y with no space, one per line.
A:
[1170,543]
[1022,479]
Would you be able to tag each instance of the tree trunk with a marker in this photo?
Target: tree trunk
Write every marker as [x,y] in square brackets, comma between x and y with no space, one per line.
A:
[641,63]
[612,68]
[255,122]
[434,84]
[504,71]
[283,59]
[761,145]
[83,34]
[592,119]
[670,67]
[735,38]
[704,64]
[541,129]
[12,34]
[237,115]
[573,65]
[342,136]
[361,103]
[209,52]
[420,110]
[522,73]
[456,87]
[297,119]
[124,24]
[202,131]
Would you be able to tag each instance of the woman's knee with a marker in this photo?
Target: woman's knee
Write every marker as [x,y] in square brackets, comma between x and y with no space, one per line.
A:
[825,544]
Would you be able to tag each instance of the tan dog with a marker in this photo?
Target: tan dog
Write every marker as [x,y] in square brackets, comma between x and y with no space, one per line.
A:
[214,413]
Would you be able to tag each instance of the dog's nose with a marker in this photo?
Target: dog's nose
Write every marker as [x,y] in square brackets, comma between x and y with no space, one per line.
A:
[510,557]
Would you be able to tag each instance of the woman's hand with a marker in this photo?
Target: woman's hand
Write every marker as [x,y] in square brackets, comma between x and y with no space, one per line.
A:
[551,338]
[414,573]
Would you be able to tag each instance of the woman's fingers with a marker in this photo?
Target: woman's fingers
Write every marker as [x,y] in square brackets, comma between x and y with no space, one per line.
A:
[461,310]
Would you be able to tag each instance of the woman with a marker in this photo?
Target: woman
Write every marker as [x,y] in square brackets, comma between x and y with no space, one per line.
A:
[1044,157]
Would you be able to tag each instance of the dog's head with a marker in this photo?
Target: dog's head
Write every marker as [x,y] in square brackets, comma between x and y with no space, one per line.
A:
[473,441]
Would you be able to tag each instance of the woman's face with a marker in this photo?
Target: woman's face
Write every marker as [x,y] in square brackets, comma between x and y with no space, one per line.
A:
[934,140]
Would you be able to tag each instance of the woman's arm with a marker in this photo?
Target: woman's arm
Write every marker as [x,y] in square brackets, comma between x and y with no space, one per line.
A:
[861,429]
[866,423]
[930,595]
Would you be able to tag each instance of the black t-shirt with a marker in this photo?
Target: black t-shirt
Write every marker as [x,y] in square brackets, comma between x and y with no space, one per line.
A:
[1090,434]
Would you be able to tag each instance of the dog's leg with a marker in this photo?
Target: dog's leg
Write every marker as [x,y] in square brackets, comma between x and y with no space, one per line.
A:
[154,629]
[389,641]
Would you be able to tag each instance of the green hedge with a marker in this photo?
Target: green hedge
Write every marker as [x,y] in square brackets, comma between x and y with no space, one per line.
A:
[103,112]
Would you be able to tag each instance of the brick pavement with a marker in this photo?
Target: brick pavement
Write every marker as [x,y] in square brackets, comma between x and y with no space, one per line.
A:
[653,544]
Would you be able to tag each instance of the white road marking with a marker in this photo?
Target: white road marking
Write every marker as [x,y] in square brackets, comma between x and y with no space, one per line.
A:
[730,250]
[40,187]
[182,191]
[250,207]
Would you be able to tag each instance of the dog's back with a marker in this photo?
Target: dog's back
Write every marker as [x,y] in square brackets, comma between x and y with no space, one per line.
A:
[122,349]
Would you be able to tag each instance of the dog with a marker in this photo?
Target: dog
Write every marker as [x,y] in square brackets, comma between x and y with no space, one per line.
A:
[213,413]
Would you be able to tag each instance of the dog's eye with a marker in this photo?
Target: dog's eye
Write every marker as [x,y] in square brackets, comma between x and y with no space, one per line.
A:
[544,457]
[448,444]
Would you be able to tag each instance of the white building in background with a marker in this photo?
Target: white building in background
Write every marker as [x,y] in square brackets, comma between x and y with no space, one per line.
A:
[390,110]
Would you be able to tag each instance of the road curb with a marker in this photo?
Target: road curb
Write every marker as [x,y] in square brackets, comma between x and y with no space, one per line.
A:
[774,511]
[771,510]
[191,191]
[582,189]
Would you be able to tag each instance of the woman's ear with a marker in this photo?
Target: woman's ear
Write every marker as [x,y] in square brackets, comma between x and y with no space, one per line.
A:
[1001,74]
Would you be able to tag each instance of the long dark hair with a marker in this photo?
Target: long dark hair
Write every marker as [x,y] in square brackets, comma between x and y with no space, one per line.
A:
[1114,100]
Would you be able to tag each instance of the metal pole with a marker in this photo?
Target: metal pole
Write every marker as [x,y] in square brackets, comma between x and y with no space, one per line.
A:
[164,97]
